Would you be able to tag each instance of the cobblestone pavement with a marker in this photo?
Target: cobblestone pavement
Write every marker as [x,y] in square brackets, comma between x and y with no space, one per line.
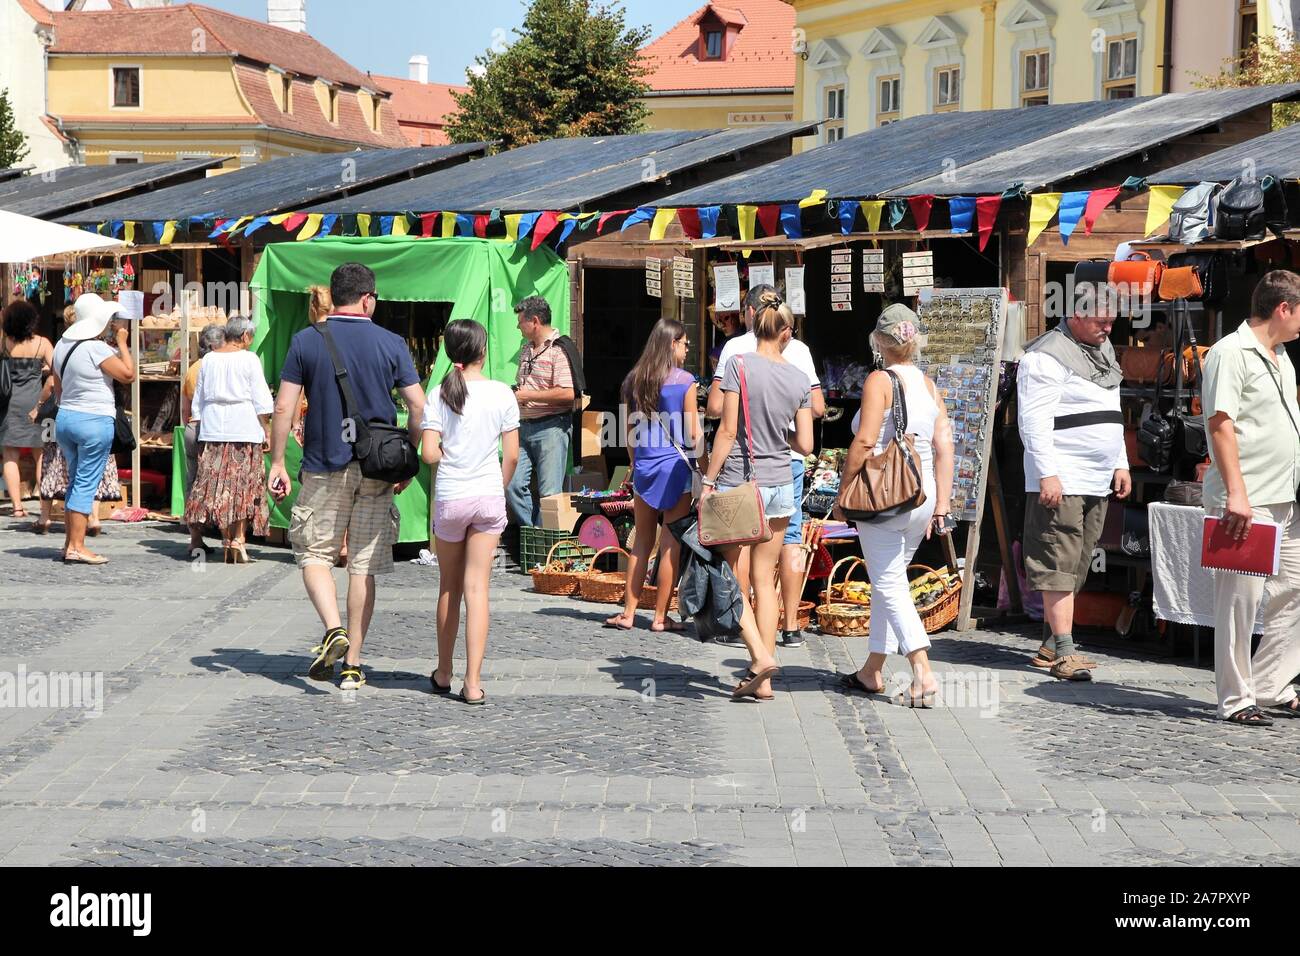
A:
[202,742]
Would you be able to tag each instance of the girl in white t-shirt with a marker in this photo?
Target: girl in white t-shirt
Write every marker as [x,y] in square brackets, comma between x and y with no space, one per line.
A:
[465,423]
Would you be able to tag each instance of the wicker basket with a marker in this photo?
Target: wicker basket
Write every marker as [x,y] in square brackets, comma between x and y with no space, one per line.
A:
[557,576]
[834,593]
[839,618]
[650,596]
[804,621]
[603,587]
[944,611]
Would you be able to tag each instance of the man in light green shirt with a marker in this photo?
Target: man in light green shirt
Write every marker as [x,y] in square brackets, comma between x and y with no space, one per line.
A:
[1253,423]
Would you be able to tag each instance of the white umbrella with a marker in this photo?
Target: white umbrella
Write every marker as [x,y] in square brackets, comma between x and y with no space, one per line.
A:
[23,239]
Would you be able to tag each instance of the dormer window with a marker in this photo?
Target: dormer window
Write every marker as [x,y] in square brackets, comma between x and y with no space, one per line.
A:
[713,44]
[287,88]
[719,29]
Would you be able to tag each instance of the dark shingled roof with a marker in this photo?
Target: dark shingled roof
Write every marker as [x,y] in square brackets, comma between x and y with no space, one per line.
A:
[562,174]
[1274,154]
[279,185]
[61,191]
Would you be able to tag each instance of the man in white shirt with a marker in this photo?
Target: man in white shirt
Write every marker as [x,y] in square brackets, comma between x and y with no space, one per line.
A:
[1073,433]
[792,557]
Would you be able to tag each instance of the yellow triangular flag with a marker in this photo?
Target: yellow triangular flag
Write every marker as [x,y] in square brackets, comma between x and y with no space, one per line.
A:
[363,224]
[401,226]
[130,233]
[660,225]
[745,216]
[169,232]
[243,221]
[1160,201]
[1042,207]
[448,224]
[278,220]
[311,227]
[562,217]
[512,226]
[813,198]
[871,209]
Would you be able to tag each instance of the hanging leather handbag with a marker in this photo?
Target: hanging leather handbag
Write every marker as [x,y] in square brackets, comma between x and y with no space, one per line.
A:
[736,516]
[889,483]
[1140,366]
[1180,282]
[1193,356]
[1192,445]
[1092,272]
[123,434]
[1138,276]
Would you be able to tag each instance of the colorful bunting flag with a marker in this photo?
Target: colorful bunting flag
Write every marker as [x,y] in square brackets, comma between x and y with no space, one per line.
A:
[157,231]
[130,233]
[448,224]
[512,227]
[546,224]
[709,221]
[792,221]
[1042,207]
[986,214]
[745,216]
[400,226]
[294,222]
[768,217]
[1072,206]
[256,224]
[311,227]
[659,227]
[527,222]
[848,215]
[465,225]
[217,231]
[427,221]
[813,198]
[642,214]
[1160,202]
[921,207]
[871,209]
[896,209]
[327,225]
[690,222]
[279,219]
[565,232]
[386,225]
[961,212]
[1097,201]
[363,223]
[480,225]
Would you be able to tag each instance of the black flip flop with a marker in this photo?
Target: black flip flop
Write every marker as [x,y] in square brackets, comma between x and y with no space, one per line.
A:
[854,682]
[438,688]
[481,699]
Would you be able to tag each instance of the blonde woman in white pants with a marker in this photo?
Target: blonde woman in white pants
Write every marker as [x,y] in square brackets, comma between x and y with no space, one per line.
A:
[888,544]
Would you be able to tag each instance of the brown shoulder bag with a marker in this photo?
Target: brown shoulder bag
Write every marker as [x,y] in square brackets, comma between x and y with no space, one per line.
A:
[736,516]
[890,483]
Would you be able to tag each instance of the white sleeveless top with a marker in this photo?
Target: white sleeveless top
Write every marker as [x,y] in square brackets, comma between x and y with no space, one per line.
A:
[922,413]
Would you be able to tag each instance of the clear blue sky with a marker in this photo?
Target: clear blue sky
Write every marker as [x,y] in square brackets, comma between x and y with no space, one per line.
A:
[382,35]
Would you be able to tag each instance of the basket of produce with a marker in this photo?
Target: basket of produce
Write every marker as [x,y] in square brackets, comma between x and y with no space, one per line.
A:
[937,596]
[603,587]
[843,618]
[559,574]
[847,592]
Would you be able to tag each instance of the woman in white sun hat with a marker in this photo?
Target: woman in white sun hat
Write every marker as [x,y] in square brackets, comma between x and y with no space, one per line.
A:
[84,371]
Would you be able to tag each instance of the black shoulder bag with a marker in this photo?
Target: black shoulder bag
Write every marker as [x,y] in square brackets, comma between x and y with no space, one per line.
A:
[6,384]
[384,451]
[1169,440]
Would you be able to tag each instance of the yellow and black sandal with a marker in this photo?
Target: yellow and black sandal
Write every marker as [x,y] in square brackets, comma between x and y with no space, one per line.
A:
[352,677]
[327,653]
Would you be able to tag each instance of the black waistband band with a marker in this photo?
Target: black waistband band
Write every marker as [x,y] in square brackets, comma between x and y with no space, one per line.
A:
[1088,418]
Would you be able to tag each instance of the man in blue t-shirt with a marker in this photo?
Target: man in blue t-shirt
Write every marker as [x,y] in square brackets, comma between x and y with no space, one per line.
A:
[335,500]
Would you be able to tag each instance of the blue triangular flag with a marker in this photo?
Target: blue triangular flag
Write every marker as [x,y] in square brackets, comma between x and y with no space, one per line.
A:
[791,221]
[848,215]
[526,224]
[465,225]
[257,224]
[326,224]
[643,214]
[709,221]
[386,225]
[1072,207]
[569,226]
[961,212]
[158,231]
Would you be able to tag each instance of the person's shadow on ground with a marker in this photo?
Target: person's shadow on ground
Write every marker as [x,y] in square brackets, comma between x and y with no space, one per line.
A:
[179,550]
[1122,700]
[290,670]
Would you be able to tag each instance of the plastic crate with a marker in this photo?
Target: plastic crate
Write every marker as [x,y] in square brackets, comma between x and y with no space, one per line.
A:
[536,543]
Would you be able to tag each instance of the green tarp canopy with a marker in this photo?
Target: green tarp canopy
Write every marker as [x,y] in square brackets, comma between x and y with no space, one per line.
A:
[481,278]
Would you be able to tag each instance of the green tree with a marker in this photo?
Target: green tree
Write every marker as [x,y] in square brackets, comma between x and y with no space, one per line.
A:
[13,144]
[1270,59]
[575,69]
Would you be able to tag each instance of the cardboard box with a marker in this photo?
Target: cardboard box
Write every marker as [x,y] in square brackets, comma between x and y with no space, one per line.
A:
[558,513]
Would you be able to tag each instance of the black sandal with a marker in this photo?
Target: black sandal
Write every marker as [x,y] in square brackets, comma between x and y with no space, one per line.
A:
[473,701]
[438,688]
[854,682]
[1250,716]
[1290,709]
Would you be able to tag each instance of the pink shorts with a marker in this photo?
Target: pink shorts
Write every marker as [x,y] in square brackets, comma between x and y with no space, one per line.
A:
[453,519]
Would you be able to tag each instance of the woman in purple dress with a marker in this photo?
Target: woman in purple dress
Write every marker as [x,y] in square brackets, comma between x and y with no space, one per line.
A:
[664,440]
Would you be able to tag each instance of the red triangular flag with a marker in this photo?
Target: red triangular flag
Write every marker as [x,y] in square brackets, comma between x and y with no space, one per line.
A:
[921,206]
[768,218]
[986,213]
[607,216]
[1099,200]
[546,224]
[427,221]
[689,217]
[293,222]
[480,225]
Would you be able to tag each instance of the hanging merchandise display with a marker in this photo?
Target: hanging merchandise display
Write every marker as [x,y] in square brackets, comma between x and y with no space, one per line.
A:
[654,277]
[684,276]
[873,270]
[841,280]
[918,272]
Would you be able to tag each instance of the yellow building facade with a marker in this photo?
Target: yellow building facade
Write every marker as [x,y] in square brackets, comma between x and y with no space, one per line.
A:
[863,63]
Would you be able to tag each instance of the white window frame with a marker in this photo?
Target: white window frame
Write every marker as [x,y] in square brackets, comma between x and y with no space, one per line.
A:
[883,50]
[1118,20]
[112,85]
[722,43]
[829,60]
[884,116]
[953,103]
[1030,23]
[833,125]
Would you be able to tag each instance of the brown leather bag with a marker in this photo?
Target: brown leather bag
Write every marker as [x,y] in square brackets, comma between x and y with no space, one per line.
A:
[890,483]
[736,516]
[1140,366]
[1191,367]
[1139,276]
[1180,282]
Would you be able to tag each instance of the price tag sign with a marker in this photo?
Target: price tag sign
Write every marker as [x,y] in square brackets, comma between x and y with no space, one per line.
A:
[654,277]
[841,280]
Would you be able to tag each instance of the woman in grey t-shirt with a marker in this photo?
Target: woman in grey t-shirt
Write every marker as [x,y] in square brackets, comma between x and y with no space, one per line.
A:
[778,392]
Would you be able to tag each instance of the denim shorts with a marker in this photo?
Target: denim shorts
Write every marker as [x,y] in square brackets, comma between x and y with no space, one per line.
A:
[794,530]
[778,500]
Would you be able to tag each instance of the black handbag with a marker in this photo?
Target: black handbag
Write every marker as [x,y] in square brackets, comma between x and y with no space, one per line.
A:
[1240,213]
[1172,441]
[123,434]
[6,384]
[384,451]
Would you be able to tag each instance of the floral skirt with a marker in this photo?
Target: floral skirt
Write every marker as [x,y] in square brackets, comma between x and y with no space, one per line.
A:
[54,477]
[230,486]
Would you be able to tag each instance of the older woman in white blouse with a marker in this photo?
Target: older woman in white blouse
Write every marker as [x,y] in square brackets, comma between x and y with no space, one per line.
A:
[234,404]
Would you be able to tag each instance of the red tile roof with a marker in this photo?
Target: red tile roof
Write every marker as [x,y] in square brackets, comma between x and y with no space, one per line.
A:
[307,117]
[37,11]
[760,56]
[416,102]
[171,30]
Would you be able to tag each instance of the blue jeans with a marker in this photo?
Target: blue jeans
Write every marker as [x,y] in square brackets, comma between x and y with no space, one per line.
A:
[543,446]
[86,441]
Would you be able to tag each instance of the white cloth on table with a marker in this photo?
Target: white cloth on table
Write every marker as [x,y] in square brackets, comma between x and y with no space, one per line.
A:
[1182,590]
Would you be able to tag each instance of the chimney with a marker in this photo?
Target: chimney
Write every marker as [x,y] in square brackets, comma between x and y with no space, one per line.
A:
[420,68]
[288,14]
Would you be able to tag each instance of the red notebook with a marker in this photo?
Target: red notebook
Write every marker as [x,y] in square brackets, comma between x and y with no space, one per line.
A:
[1259,554]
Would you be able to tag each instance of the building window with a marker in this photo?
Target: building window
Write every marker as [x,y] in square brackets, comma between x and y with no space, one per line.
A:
[834,113]
[888,105]
[1247,26]
[126,87]
[1035,66]
[1121,68]
[947,89]
[713,45]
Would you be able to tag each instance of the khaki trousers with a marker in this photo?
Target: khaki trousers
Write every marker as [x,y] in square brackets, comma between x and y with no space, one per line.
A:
[1265,681]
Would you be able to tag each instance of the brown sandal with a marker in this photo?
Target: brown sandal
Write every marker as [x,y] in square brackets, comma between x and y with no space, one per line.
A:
[1072,667]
